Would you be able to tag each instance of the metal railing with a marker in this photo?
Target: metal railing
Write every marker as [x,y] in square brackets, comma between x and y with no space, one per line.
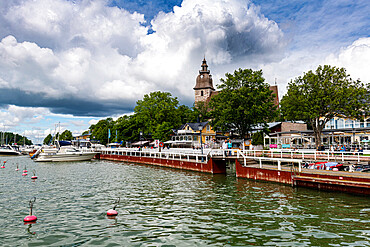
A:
[189,155]
[309,154]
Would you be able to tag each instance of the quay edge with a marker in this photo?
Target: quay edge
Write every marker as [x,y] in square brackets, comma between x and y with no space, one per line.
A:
[321,180]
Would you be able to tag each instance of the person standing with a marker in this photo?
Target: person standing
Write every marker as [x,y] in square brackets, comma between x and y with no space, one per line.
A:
[229,146]
[224,147]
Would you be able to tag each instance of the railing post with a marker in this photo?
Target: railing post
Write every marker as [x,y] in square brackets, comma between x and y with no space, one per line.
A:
[279,165]
[358,157]
[342,156]
[281,154]
[328,155]
[260,162]
[196,158]
[299,167]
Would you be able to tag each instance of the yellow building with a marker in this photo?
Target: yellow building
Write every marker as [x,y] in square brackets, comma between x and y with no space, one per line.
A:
[188,135]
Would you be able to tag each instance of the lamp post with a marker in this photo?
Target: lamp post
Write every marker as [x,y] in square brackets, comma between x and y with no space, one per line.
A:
[201,142]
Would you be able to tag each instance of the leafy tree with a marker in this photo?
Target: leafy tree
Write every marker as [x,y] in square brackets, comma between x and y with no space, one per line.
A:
[186,114]
[201,112]
[99,131]
[47,139]
[66,135]
[157,108]
[316,97]
[257,138]
[244,102]
[127,128]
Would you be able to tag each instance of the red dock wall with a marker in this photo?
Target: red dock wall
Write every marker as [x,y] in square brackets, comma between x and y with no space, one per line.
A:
[262,174]
[212,166]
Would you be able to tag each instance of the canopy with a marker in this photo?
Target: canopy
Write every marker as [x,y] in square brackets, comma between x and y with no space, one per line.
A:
[139,143]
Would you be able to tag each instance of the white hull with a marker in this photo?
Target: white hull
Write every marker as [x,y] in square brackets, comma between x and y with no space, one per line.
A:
[47,157]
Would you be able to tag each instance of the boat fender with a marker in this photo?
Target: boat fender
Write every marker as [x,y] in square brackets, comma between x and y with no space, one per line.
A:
[161,144]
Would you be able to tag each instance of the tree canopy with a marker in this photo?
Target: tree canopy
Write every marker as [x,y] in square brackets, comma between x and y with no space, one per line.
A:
[318,96]
[66,135]
[157,113]
[244,102]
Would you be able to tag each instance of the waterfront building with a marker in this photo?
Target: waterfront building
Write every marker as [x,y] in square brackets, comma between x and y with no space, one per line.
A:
[189,134]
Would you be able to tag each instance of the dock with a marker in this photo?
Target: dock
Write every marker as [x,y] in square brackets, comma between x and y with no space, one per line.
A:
[256,165]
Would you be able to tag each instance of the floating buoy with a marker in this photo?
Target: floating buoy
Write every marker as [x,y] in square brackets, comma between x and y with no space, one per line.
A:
[3,166]
[25,169]
[113,212]
[31,218]
[24,174]
[34,175]
[17,169]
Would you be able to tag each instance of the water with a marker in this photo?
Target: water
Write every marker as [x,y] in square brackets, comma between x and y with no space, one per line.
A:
[167,207]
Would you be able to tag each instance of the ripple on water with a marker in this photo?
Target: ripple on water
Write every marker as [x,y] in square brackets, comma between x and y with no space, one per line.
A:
[167,207]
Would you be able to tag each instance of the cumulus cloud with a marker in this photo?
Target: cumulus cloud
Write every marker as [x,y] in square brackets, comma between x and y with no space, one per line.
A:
[89,59]
[355,58]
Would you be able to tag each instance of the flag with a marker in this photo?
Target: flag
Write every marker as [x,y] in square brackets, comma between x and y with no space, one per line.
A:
[108,133]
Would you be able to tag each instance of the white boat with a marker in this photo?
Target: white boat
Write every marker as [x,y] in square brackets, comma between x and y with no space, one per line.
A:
[63,152]
[8,150]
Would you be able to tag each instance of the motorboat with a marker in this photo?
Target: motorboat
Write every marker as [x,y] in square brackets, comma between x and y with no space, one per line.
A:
[63,151]
[8,150]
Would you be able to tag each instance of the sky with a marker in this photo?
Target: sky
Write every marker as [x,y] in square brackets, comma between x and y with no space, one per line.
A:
[79,61]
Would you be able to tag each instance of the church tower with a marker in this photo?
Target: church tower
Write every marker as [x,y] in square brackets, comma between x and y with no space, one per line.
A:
[204,86]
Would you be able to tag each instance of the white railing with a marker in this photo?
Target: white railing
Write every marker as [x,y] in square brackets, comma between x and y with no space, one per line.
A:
[309,154]
[190,155]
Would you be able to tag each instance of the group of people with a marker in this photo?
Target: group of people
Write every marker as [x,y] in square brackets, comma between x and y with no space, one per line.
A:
[343,148]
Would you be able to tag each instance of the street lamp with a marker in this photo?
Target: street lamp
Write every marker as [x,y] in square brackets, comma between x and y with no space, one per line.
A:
[201,142]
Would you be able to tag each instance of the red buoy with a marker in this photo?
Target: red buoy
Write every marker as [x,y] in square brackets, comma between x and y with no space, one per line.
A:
[34,175]
[24,174]
[2,166]
[25,171]
[113,212]
[31,218]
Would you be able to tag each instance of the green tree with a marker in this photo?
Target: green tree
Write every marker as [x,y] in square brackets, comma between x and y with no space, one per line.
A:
[47,139]
[157,114]
[127,128]
[316,97]
[66,135]
[201,112]
[244,102]
[99,131]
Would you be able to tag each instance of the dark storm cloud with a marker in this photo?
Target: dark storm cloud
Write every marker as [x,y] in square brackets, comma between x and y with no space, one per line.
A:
[74,106]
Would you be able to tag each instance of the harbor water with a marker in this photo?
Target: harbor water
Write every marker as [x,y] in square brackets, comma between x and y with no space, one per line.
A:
[169,207]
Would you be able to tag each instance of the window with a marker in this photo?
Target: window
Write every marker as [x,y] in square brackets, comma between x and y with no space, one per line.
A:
[208,128]
[195,138]
[201,93]
[349,124]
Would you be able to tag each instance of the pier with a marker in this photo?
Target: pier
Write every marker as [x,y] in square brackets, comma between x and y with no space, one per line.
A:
[281,166]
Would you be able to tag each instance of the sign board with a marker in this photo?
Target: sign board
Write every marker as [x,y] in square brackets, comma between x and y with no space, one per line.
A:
[273,145]
[285,145]
[156,143]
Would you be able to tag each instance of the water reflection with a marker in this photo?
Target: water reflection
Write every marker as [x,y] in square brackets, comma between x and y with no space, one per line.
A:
[162,206]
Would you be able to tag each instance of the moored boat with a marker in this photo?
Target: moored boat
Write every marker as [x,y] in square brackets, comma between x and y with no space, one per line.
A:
[64,151]
[8,150]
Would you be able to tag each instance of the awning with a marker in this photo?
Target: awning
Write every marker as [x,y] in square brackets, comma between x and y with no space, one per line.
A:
[139,143]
